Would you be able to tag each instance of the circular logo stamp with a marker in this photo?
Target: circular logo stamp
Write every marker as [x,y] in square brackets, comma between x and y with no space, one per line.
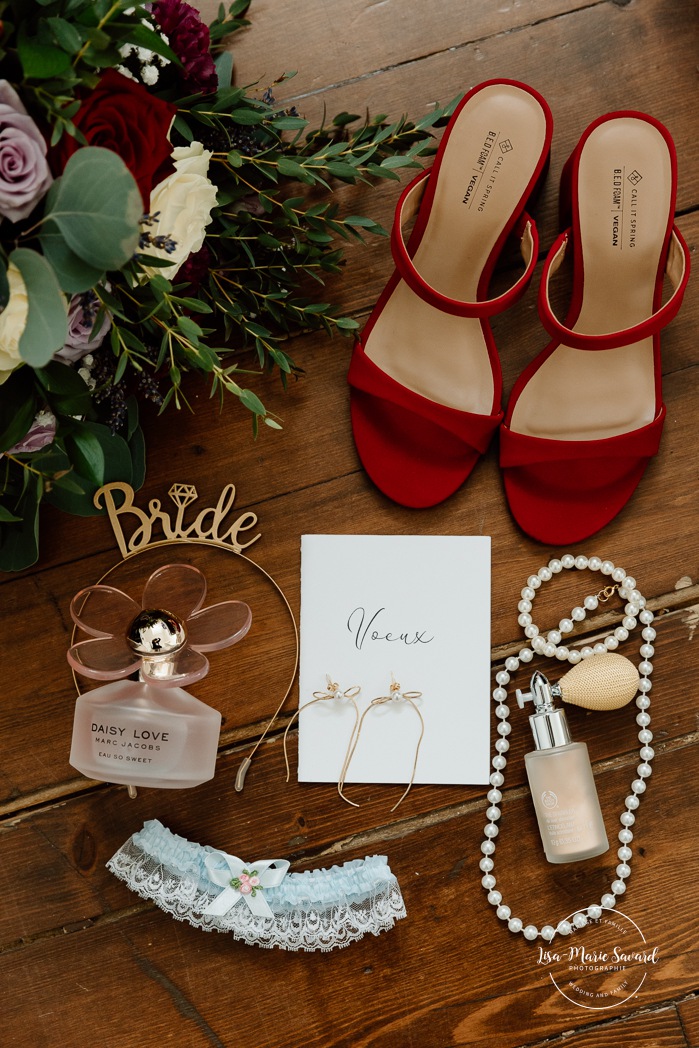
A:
[549,799]
[601,965]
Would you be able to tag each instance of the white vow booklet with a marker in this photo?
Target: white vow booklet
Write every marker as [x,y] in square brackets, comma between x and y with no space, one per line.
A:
[414,606]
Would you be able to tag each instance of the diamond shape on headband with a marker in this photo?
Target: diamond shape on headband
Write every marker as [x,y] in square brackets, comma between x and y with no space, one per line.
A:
[182,494]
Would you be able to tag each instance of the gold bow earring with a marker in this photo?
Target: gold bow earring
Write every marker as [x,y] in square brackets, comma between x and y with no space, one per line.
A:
[332,691]
[394,695]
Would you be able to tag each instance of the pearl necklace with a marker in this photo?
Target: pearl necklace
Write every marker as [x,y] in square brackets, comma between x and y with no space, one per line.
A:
[551,647]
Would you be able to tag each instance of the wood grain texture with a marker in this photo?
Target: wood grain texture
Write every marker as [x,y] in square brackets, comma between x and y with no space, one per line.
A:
[216,448]
[84,962]
[450,927]
[688,1011]
[659,1029]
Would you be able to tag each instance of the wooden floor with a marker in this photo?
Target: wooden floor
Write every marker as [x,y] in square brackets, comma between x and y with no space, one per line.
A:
[86,964]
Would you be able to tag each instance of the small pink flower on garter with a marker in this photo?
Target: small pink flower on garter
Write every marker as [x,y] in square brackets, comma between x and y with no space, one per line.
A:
[247,883]
[163,637]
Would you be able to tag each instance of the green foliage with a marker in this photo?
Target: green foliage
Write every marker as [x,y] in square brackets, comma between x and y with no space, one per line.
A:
[46,329]
[96,206]
[277,232]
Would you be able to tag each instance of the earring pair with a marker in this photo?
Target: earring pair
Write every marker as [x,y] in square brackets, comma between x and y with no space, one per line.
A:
[335,692]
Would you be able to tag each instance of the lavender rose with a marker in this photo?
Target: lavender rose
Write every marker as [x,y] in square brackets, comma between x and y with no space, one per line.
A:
[82,313]
[24,173]
[40,433]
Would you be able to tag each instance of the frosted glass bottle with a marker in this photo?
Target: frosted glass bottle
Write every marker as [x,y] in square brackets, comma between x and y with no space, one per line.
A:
[138,734]
[149,731]
[561,782]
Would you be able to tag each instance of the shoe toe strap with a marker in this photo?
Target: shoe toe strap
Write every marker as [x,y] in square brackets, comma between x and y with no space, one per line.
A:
[407,207]
[520,449]
[677,269]
[469,428]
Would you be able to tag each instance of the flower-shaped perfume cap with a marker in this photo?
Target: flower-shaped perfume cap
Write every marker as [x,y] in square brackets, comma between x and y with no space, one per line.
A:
[164,637]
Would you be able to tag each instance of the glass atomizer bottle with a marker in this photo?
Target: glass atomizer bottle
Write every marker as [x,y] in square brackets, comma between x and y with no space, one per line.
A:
[150,731]
[561,781]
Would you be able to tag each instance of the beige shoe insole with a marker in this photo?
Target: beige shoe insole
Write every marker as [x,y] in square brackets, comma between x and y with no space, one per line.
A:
[494,147]
[624,188]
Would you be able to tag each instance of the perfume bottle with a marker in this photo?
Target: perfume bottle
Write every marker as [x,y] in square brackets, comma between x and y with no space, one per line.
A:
[150,731]
[561,782]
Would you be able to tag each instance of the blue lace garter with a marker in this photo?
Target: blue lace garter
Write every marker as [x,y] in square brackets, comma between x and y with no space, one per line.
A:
[259,902]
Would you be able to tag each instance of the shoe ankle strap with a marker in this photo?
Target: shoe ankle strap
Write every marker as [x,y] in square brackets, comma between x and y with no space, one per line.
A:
[676,268]
[407,208]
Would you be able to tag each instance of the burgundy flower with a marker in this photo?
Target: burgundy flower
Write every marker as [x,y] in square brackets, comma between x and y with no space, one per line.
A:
[122,116]
[189,39]
[196,268]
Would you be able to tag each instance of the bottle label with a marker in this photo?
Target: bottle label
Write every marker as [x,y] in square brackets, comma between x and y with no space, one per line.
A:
[563,826]
[113,741]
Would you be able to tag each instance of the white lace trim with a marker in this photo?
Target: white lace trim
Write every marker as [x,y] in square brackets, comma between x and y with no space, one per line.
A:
[301,927]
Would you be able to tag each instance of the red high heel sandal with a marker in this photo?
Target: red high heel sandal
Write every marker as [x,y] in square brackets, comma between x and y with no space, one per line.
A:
[425,375]
[586,415]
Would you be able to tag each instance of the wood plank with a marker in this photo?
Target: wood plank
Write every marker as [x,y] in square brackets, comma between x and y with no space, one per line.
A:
[358,38]
[619,42]
[215,449]
[450,926]
[689,1014]
[34,757]
[594,36]
[83,962]
[296,821]
[658,1029]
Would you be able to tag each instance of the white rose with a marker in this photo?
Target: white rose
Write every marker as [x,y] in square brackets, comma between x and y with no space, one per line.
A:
[193,159]
[183,202]
[13,321]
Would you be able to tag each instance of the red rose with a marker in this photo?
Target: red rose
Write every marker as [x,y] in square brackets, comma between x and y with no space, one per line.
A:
[122,116]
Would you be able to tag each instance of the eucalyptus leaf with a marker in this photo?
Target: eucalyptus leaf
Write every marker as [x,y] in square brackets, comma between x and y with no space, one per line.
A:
[117,466]
[73,273]
[18,406]
[291,168]
[66,35]
[86,453]
[97,207]
[65,390]
[46,328]
[247,116]
[181,125]
[137,447]
[224,69]
[19,543]
[40,61]
[360,220]
[252,402]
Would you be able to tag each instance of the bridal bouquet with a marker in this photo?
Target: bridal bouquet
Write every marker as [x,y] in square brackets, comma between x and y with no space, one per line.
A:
[155,221]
